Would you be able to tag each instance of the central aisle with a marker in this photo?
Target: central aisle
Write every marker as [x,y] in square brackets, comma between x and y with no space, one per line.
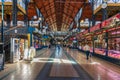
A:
[61,66]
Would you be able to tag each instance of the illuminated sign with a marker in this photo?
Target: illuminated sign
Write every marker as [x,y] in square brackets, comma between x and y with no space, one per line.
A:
[94,28]
[85,32]
[118,32]
[111,21]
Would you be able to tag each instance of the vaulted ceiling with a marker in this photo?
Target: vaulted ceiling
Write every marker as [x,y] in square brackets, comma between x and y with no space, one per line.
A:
[60,13]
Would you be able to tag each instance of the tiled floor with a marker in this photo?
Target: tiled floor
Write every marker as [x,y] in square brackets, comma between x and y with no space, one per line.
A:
[97,68]
[61,64]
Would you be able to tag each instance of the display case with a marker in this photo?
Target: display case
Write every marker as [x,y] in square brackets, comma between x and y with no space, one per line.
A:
[105,39]
[26,50]
[15,51]
[100,43]
[114,44]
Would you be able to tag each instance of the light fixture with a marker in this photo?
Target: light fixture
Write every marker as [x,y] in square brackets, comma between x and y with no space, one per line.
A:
[35,17]
[15,30]
[82,21]
[40,18]
[104,5]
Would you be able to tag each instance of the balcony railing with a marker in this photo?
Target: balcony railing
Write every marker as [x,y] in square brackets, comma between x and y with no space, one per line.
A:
[6,0]
[98,3]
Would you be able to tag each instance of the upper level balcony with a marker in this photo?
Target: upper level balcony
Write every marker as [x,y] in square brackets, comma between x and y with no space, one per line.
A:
[112,7]
[110,3]
[8,5]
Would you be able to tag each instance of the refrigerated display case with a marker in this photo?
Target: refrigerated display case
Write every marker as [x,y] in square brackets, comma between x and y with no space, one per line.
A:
[22,48]
[100,44]
[114,44]
[15,51]
[105,39]
[26,51]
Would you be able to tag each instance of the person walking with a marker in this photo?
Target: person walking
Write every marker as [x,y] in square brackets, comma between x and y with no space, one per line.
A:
[87,49]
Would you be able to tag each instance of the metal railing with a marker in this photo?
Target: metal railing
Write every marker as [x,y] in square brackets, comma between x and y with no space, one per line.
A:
[11,33]
[98,3]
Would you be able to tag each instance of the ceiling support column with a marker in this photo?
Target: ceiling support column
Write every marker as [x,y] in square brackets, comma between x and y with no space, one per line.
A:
[104,13]
[8,20]
[14,14]
[89,25]
[79,24]
[93,15]
[25,16]
[104,17]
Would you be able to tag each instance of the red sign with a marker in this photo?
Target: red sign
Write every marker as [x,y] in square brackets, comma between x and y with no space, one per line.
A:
[118,16]
[85,32]
[81,34]
[94,28]
[110,20]
[106,22]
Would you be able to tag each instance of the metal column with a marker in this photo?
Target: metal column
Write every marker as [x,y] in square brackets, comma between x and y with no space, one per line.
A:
[93,15]
[25,16]
[14,15]
[106,40]
[93,21]
[8,20]
[2,24]
[104,17]
[2,38]
[89,25]
[79,24]
[104,13]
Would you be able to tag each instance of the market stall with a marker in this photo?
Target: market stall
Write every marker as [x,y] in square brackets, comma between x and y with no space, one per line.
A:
[114,43]
[104,38]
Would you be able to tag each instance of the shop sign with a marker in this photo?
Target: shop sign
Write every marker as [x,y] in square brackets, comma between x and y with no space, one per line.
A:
[34,23]
[117,16]
[111,21]
[20,23]
[106,22]
[115,32]
[85,32]
[94,28]
[81,34]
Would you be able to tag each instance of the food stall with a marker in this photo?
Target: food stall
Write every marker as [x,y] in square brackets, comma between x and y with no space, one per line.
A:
[15,50]
[104,39]
[114,43]
[100,43]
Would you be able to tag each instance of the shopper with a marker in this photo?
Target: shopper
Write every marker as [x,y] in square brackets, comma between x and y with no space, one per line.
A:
[87,50]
